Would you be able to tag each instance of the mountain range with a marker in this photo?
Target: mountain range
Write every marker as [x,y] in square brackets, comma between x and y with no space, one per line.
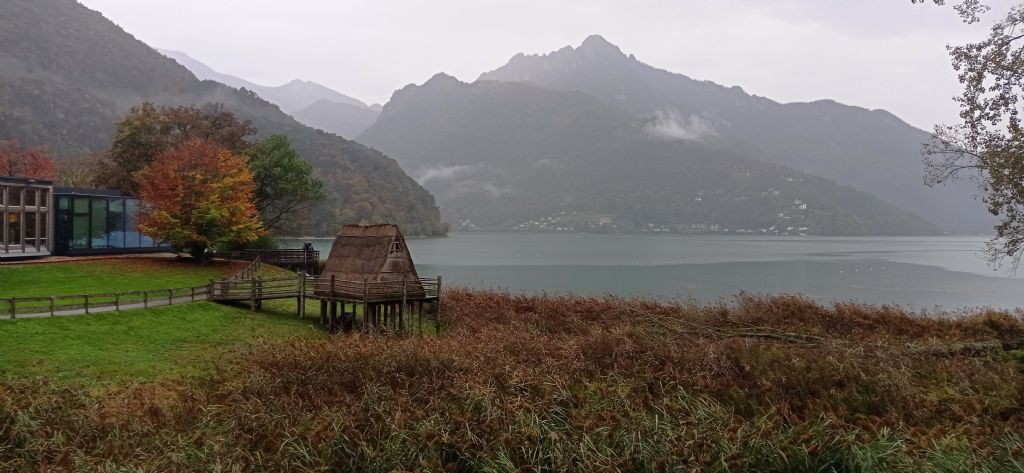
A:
[580,139]
[308,102]
[67,75]
[514,156]
[871,150]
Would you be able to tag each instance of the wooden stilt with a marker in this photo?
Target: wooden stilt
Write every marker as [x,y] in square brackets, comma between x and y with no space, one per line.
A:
[323,313]
[334,316]
[405,301]
[419,316]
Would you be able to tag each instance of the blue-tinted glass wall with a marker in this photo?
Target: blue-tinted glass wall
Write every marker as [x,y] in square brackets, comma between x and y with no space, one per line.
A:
[98,222]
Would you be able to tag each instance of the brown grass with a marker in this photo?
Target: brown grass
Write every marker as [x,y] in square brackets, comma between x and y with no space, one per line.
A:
[524,383]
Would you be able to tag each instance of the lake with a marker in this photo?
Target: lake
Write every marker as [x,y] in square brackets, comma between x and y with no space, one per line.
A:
[917,272]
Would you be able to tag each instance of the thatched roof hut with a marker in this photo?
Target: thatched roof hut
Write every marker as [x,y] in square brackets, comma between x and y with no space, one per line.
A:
[373,253]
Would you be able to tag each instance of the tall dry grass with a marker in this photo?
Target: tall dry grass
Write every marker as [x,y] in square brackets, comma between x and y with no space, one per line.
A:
[565,383]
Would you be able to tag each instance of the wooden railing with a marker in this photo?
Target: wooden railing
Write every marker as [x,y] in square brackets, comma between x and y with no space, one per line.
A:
[256,290]
[294,259]
[248,272]
[376,291]
[14,307]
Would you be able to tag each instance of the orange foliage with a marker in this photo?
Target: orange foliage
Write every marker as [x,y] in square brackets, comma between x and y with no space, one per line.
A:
[198,195]
[34,163]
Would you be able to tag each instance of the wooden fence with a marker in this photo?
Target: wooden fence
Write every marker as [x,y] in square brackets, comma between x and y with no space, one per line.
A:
[256,290]
[80,304]
[377,291]
[248,272]
[294,259]
[14,307]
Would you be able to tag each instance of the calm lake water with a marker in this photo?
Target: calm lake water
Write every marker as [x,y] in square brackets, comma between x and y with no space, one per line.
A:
[919,272]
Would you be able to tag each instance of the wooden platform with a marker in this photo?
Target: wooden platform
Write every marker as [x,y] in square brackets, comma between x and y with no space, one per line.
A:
[384,306]
[398,306]
[293,259]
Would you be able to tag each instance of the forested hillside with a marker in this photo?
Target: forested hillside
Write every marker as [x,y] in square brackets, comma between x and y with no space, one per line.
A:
[67,74]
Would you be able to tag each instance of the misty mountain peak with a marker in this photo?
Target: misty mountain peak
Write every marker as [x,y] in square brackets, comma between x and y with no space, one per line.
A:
[597,45]
[442,78]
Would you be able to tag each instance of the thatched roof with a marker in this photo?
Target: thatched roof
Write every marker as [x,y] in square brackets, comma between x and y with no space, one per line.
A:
[370,252]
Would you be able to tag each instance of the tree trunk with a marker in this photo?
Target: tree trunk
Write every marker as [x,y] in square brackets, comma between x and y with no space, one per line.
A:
[199,252]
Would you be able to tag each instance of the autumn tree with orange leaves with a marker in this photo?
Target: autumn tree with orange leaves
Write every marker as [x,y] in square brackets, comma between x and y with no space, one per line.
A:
[32,163]
[198,195]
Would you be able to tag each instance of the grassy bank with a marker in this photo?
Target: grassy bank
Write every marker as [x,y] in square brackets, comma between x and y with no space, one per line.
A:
[521,383]
[100,276]
[139,345]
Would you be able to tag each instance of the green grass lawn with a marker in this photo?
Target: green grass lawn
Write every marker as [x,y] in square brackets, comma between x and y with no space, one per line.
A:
[139,345]
[135,345]
[99,276]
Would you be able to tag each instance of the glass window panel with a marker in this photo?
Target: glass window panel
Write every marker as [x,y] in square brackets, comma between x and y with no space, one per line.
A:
[116,223]
[81,205]
[44,227]
[30,229]
[30,196]
[99,223]
[14,228]
[80,232]
[44,198]
[14,196]
[63,203]
[147,242]
[3,202]
[132,236]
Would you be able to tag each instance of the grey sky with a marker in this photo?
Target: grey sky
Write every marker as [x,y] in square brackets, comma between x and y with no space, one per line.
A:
[873,53]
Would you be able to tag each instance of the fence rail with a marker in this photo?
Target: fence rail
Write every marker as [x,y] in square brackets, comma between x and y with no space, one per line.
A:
[248,272]
[75,304]
[294,259]
[375,291]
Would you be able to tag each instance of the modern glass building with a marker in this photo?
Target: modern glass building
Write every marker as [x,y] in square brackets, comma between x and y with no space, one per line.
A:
[94,221]
[25,205]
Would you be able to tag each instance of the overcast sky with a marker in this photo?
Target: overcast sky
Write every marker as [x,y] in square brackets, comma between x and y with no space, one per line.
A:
[872,53]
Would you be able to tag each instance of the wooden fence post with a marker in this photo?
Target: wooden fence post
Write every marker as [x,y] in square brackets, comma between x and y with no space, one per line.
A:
[209,291]
[53,302]
[145,299]
[117,301]
[193,293]
[10,303]
[437,317]
[170,296]
[252,294]
[86,303]
[302,294]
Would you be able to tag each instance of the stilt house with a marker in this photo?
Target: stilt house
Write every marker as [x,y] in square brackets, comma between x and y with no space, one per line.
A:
[371,266]
[372,259]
